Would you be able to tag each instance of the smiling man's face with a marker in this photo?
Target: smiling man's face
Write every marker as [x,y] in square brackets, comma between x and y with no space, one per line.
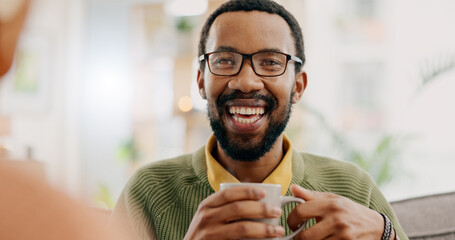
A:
[248,112]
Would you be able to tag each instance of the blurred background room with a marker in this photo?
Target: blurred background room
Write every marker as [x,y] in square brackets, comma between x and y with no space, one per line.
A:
[101,87]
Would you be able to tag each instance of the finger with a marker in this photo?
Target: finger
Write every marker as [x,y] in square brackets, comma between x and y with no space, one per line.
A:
[309,195]
[298,191]
[310,209]
[235,194]
[332,237]
[322,230]
[247,210]
[248,229]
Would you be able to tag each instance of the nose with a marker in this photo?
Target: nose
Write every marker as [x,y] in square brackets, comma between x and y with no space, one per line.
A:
[246,80]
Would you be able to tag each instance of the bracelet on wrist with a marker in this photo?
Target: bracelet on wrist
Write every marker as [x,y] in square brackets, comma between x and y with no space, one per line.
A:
[388,228]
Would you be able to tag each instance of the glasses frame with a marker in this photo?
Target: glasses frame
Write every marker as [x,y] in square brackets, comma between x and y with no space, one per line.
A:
[205,57]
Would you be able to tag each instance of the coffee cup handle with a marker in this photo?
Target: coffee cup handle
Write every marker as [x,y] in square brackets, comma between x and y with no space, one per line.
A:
[288,199]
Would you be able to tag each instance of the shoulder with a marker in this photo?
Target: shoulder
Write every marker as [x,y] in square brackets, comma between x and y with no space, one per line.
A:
[167,177]
[325,165]
[330,175]
[161,172]
[165,166]
[158,186]
[151,185]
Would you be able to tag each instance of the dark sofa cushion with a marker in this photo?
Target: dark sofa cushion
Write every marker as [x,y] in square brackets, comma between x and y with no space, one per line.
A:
[428,217]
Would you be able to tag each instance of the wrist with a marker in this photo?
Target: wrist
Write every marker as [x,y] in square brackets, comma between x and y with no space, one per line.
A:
[389,232]
[394,235]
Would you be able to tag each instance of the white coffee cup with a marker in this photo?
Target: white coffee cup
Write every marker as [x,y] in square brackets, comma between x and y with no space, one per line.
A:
[274,198]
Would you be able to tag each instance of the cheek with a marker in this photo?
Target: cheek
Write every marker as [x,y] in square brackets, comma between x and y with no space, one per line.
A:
[214,87]
[281,90]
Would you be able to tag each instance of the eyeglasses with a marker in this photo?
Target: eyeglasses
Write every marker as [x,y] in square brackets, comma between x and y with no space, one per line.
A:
[266,64]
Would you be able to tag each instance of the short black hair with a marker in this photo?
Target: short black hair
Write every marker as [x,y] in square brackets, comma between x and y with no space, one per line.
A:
[268,6]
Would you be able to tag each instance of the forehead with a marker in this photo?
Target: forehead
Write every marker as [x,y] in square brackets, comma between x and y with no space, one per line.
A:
[249,32]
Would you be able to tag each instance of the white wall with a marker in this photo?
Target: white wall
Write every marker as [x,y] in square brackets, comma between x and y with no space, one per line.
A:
[47,120]
[413,31]
[106,95]
[422,34]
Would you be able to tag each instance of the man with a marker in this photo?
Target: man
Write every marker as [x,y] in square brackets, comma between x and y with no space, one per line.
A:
[251,58]
[29,207]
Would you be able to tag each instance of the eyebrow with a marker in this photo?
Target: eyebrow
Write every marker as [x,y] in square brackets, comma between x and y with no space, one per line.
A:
[227,48]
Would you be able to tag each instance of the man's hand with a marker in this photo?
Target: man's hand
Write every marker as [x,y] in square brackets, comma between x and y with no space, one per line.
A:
[217,216]
[337,217]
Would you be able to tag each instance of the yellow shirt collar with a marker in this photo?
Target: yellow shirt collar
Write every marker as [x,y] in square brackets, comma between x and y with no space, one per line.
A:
[217,174]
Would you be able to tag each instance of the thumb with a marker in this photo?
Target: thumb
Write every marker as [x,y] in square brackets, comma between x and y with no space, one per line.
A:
[300,192]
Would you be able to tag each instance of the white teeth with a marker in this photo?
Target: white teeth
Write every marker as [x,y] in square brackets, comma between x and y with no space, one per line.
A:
[246,110]
[254,113]
[245,120]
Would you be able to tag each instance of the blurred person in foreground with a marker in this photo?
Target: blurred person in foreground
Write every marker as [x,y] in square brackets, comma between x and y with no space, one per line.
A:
[251,57]
[29,207]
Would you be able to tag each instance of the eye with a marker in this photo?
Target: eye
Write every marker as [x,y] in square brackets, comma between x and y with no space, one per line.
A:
[270,62]
[224,61]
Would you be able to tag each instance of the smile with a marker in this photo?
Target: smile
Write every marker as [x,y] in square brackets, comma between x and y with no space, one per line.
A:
[246,115]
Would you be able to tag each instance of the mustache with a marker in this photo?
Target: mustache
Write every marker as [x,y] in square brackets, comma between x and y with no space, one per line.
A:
[271,101]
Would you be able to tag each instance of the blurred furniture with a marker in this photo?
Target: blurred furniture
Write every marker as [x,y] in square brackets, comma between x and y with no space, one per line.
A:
[429,217]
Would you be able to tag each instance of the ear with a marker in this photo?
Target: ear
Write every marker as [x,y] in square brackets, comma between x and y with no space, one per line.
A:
[200,84]
[299,86]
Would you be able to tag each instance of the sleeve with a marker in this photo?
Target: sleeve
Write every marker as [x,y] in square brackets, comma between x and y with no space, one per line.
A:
[380,204]
[129,215]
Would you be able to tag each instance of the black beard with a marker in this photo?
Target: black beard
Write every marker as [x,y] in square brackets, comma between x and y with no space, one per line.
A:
[240,150]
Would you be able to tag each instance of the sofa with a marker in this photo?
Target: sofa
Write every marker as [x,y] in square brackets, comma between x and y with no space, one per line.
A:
[428,217]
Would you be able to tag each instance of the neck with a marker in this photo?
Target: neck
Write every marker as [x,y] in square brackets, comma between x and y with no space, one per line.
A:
[256,171]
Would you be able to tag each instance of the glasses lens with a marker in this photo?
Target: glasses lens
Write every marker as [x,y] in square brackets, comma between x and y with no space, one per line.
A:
[269,63]
[225,63]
